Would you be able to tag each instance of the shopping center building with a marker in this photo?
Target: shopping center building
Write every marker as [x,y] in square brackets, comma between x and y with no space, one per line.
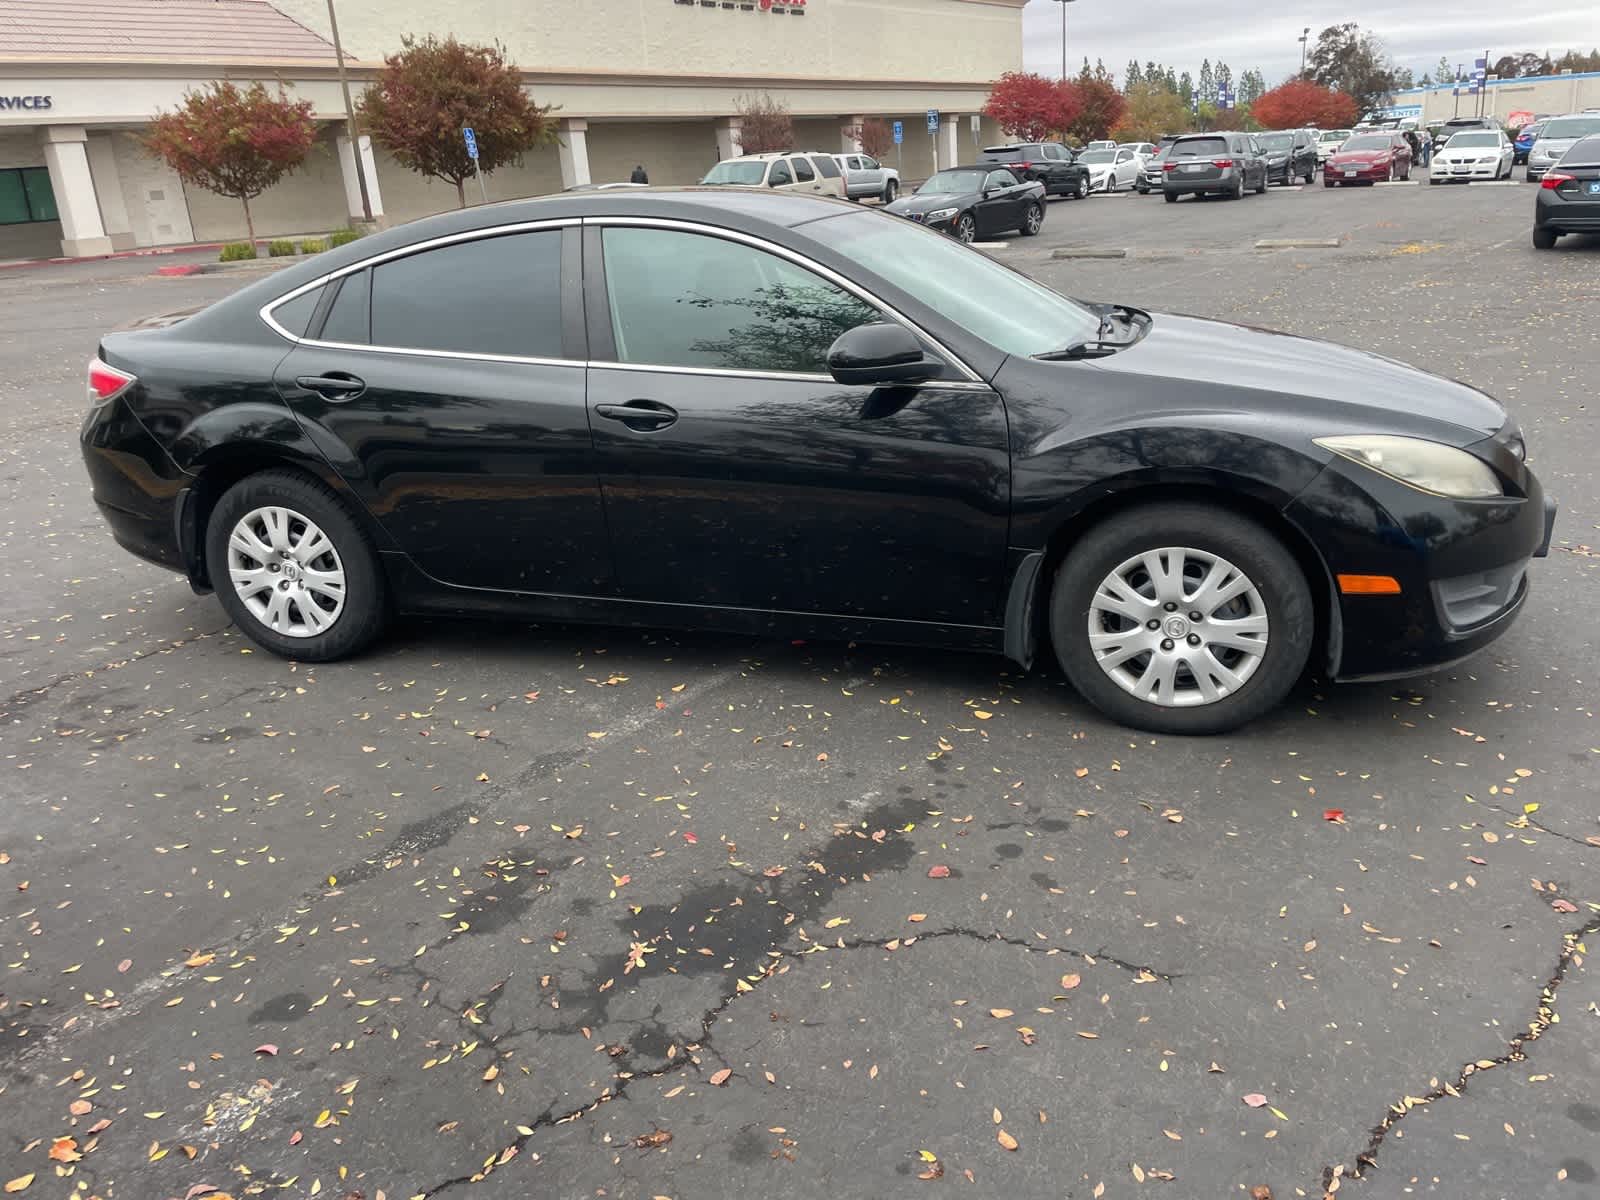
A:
[655,83]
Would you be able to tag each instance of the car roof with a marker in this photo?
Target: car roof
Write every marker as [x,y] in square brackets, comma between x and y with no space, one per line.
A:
[769,155]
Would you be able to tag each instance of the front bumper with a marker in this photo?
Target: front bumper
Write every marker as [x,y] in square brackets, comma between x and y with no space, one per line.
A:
[1465,170]
[135,483]
[1538,168]
[1337,173]
[1462,567]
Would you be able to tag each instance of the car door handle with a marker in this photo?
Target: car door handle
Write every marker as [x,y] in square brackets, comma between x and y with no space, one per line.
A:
[335,387]
[640,415]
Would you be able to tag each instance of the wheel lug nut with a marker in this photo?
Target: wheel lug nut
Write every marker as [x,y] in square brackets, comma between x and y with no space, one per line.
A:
[1166,643]
[1170,606]
[1152,623]
[284,586]
[1194,639]
[1194,616]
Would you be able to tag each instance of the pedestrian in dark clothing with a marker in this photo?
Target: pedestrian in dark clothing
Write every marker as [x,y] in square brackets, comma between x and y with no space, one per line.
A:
[638,175]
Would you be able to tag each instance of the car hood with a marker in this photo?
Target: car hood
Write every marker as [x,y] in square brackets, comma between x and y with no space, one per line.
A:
[924,202]
[1237,358]
[1358,156]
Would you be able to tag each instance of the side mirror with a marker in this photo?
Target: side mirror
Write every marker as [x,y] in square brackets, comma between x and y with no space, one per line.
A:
[880,353]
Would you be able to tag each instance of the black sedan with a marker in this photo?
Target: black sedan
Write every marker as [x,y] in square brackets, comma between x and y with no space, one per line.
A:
[1568,199]
[768,412]
[975,202]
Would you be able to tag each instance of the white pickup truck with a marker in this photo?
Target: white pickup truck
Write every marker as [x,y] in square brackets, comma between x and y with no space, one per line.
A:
[865,176]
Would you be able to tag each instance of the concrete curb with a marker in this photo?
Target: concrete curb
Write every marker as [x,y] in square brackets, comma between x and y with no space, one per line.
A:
[1087,252]
[1299,244]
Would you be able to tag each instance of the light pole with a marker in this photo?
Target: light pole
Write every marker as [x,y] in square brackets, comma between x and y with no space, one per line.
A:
[350,118]
[1304,34]
[1064,4]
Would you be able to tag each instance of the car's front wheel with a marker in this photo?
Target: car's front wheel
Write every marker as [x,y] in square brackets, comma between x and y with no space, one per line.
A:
[966,229]
[1032,220]
[1081,192]
[1181,618]
[293,569]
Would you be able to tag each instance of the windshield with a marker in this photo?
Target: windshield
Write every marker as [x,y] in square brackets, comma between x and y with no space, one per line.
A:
[1474,139]
[1570,127]
[968,288]
[1097,156]
[953,181]
[1529,131]
[737,171]
[1201,146]
[1369,141]
[1275,141]
[1334,135]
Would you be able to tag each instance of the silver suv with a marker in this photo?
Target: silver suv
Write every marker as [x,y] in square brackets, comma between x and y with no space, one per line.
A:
[1558,136]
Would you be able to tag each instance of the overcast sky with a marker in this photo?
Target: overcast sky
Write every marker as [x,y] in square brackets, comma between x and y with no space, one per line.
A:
[1248,33]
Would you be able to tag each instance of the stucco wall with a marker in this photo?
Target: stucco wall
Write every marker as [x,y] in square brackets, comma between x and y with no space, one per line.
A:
[672,152]
[844,39]
[36,239]
[311,200]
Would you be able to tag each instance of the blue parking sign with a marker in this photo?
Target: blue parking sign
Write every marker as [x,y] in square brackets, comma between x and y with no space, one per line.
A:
[899,133]
[933,120]
[472,142]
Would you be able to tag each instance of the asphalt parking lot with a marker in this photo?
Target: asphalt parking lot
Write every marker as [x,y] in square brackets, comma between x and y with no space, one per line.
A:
[500,910]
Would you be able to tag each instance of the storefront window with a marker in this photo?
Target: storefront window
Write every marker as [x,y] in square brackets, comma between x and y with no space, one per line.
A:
[25,196]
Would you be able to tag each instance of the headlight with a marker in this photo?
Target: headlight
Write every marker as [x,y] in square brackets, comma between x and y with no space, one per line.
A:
[941,214]
[1427,466]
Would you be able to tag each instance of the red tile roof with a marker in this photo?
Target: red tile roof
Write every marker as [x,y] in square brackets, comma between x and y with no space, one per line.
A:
[182,31]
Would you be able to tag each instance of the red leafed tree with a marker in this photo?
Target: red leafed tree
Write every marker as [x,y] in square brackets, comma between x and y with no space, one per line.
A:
[874,135]
[234,141]
[430,91]
[1100,108]
[1030,107]
[765,126]
[1300,102]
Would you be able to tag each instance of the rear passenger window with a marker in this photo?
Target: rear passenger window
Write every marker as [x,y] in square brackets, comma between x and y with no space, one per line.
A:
[295,314]
[493,295]
[826,165]
[802,170]
[349,320]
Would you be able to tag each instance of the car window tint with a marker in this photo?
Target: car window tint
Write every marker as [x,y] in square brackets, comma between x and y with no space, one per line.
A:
[780,174]
[802,170]
[1052,151]
[853,162]
[826,167]
[493,295]
[689,300]
[1200,147]
[349,320]
[870,164]
[294,315]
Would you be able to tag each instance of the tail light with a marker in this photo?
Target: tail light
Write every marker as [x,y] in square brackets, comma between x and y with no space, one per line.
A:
[106,382]
[1222,162]
[1554,179]
[1169,166]
[1026,166]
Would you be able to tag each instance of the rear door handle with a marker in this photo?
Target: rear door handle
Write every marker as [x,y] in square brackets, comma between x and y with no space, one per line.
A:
[640,415]
[335,387]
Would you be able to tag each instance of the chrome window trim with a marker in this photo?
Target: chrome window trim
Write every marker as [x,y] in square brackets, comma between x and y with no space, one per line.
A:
[470,235]
[800,260]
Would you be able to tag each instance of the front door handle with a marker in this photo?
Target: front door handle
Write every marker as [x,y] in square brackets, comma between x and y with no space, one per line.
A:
[335,387]
[639,415]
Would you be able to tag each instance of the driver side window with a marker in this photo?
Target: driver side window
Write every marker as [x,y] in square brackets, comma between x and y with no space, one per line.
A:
[802,170]
[1000,179]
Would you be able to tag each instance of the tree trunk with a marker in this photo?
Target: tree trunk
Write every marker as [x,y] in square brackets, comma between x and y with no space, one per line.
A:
[461,192]
[249,222]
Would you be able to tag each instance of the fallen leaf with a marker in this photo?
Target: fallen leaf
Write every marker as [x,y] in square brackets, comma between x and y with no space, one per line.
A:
[653,1140]
[198,960]
[719,1078]
[64,1149]
[1000,1014]
[266,1048]
[1007,1142]
[122,967]
[1564,906]
[1261,1192]
[1254,1099]
[20,1183]
[1138,1173]
[939,871]
[80,1108]
[1070,981]
[917,918]
[981,715]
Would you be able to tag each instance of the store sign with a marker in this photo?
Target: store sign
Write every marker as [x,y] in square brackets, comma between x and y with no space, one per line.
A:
[795,8]
[36,103]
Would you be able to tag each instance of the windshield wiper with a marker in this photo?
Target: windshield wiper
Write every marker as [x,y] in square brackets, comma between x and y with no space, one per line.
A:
[1098,346]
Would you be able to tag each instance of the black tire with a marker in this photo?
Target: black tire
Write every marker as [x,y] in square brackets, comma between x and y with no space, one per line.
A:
[365,610]
[965,229]
[1172,197]
[1282,587]
[891,189]
[1081,191]
[1141,189]
[1262,190]
[1238,189]
[1544,239]
[1032,220]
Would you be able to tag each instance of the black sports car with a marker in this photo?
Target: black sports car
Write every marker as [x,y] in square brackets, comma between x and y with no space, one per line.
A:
[769,412]
[975,202]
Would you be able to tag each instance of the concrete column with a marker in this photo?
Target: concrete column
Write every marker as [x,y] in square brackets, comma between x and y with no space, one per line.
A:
[574,151]
[849,144]
[352,185]
[948,150]
[83,234]
[108,190]
[728,138]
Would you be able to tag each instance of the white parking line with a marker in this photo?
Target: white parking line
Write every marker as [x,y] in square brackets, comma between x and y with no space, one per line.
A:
[1397,183]
[988,245]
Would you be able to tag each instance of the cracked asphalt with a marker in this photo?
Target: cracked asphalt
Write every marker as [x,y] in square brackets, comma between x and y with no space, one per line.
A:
[500,910]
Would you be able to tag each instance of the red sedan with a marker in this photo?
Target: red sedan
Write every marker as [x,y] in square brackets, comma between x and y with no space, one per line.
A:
[1368,158]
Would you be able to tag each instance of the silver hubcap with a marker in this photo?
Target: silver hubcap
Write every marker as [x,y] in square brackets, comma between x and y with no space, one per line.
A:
[965,229]
[1033,220]
[286,571]
[1178,627]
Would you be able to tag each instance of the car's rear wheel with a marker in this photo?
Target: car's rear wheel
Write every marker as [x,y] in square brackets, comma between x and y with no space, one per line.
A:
[1181,618]
[1238,189]
[1544,239]
[293,569]
[890,190]
[1032,220]
[966,229]
[1172,197]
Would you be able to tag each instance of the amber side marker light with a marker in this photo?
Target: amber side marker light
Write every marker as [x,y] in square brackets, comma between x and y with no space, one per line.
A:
[1369,585]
